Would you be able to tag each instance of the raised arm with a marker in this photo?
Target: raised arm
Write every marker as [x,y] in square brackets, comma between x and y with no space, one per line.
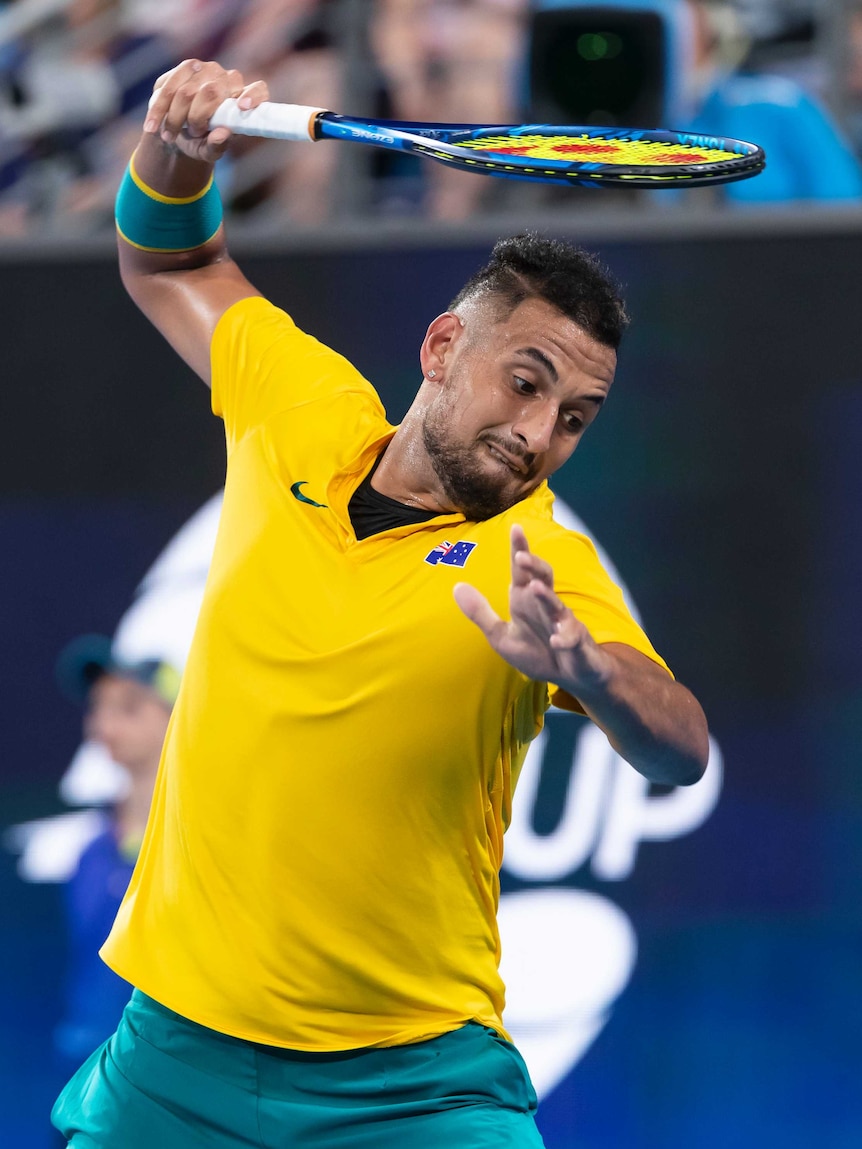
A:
[653,722]
[173,258]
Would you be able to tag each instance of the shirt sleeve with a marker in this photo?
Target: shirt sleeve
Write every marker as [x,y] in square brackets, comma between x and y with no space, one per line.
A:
[263,364]
[587,589]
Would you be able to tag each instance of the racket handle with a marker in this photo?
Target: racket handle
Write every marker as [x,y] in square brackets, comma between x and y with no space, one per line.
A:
[275,121]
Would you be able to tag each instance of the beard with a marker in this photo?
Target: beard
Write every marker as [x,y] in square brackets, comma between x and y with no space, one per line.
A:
[477,493]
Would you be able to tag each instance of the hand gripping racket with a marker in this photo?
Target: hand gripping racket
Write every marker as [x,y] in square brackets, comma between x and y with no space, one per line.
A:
[585,157]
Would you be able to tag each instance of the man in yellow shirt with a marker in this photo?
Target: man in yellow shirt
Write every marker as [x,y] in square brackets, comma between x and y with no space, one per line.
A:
[311,926]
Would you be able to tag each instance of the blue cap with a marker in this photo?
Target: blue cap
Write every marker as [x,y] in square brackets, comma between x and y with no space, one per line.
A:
[91,656]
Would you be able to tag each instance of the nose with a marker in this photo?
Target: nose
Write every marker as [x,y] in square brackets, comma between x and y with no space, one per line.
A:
[535,427]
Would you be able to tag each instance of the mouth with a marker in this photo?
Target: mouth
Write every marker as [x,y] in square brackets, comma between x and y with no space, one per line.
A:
[514,464]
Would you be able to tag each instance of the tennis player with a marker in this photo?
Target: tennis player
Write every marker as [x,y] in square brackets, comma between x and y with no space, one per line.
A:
[310,929]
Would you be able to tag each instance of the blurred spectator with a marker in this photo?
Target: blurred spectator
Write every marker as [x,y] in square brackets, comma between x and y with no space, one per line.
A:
[854,75]
[128,706]
[59,87]
[71,72]
[807,156]
[75,76]
[292,45]
[451,61]
[697,66]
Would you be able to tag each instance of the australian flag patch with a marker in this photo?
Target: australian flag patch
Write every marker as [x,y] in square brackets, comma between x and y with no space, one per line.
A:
[450,554]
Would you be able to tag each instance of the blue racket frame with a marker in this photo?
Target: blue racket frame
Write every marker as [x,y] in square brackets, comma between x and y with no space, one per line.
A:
[441,142]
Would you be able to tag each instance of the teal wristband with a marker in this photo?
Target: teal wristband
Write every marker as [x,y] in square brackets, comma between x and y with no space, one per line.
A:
[154,222]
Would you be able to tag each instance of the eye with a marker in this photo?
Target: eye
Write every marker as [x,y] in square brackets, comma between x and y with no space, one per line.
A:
[572,421]
[524,386]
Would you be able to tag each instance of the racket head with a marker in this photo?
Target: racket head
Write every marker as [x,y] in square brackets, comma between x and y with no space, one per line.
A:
[584,156]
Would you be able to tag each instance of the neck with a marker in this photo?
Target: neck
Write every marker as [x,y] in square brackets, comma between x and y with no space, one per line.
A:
[405,472]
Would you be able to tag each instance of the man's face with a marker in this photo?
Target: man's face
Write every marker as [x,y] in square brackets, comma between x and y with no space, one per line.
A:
[129,719]
[517,394]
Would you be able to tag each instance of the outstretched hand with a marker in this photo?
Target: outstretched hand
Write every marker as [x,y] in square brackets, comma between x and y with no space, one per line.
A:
[185,99]
[544,640]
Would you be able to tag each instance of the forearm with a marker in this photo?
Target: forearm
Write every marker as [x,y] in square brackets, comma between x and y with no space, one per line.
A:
[168,197]
[652,721]
[173,257]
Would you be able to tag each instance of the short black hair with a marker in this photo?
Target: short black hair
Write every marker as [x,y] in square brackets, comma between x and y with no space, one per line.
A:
[569,278]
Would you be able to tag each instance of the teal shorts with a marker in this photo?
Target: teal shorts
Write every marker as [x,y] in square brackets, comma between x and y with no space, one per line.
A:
[163,1082]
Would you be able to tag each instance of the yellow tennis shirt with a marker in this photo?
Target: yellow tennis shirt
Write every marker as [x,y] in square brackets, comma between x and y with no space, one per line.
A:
[320,869]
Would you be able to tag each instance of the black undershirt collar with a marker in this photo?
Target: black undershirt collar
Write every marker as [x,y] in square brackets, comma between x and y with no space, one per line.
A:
[370,512]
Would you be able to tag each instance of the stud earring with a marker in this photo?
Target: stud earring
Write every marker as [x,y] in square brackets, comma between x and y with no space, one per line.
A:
[432,374]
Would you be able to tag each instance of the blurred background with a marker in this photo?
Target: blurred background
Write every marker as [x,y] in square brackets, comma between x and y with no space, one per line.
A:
[684,965]
[75,76]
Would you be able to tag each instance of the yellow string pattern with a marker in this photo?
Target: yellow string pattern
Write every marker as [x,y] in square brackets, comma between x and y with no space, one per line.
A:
[597,149]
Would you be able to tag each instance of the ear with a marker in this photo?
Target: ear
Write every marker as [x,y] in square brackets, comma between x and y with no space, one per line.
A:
[438,345]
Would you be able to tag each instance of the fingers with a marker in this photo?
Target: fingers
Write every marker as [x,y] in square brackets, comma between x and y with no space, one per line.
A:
[551,608]
[519,539]
[194,99]
[533,611]
[520,546]
[193,106]
[164,90]
[210,96]
[531,567]
[477,608]
[568,634]
[253,94]
[185,99]
[525,565]
[533,602]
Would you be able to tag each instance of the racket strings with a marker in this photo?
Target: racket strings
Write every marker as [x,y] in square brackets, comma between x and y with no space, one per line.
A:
[597,149]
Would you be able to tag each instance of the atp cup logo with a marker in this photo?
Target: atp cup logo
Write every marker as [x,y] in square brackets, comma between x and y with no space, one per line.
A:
[567,953]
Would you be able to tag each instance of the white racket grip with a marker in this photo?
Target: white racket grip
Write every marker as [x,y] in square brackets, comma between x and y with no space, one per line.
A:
[274,121]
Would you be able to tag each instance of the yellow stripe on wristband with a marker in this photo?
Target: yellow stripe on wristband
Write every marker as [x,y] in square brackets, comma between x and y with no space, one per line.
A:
[151,193]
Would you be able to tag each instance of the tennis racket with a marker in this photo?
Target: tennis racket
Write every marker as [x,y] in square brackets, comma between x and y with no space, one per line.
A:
[586,157]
